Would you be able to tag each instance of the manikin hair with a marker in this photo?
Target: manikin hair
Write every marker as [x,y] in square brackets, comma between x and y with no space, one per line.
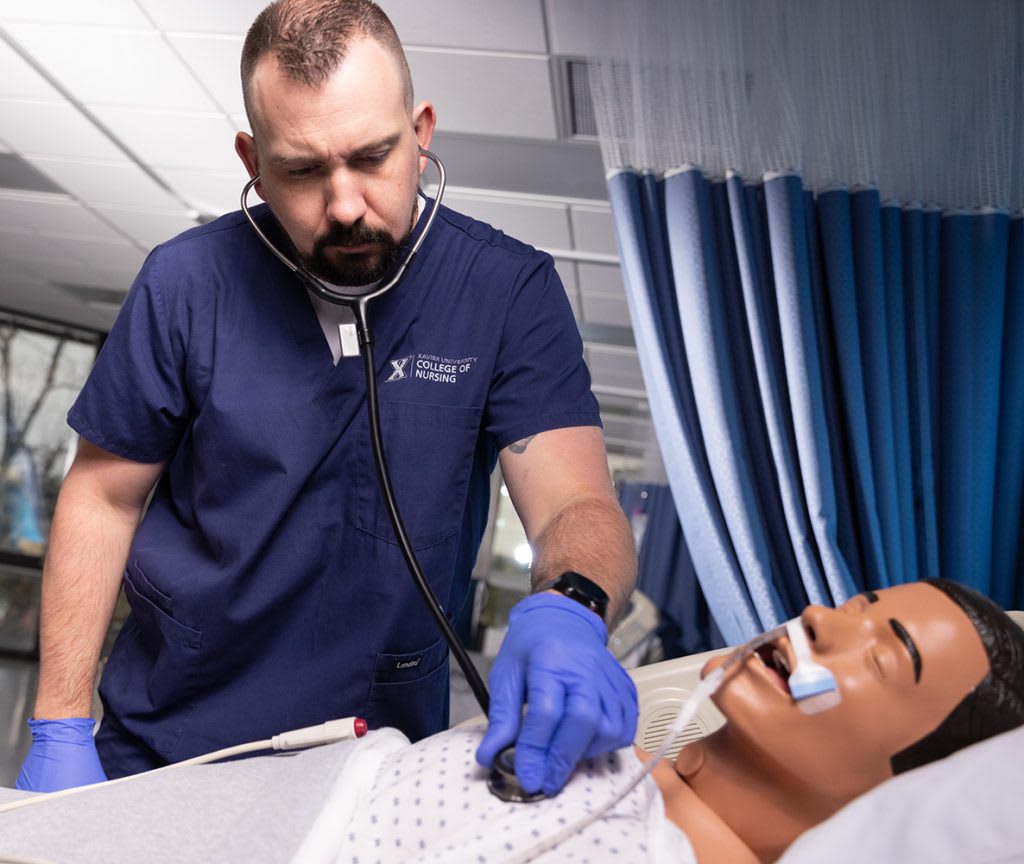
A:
[996,704]
[310,39]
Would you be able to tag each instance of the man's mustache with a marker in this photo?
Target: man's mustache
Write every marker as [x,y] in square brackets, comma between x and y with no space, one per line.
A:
[352,235]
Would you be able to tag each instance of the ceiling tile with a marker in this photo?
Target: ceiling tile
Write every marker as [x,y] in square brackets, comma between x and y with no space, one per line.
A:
[38,298]
[148,227]
[202,16]
[567,26]
[481,24]
[51,215]
[53,129]
[567,273]
[174,140]
[541,224]
[95,65]
[215,60]
[119,255]
[486,94]
[114,13]
[616,367]
[19,79]
[604,297]
[118,184]
[593,229]
[209,191]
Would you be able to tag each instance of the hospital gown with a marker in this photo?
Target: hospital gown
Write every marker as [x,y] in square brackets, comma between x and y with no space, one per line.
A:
[429,802]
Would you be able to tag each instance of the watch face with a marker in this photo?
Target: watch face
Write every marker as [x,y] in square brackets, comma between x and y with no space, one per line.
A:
[583,590]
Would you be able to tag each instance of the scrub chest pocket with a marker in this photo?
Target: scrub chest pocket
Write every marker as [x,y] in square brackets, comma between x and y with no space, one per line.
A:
[429,453]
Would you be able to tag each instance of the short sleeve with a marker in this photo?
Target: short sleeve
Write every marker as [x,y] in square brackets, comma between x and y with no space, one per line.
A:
[540,379]
[134,401]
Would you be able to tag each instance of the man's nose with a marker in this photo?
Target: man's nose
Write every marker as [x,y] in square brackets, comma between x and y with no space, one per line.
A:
[345,201]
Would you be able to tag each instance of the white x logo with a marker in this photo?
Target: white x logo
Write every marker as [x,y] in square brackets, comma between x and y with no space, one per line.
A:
[397,369]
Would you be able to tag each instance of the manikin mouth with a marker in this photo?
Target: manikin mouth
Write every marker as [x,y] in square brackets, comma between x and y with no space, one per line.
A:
[775,661]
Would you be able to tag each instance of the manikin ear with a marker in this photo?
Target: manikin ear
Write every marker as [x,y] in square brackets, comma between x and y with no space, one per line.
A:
[423,121]
[245,147]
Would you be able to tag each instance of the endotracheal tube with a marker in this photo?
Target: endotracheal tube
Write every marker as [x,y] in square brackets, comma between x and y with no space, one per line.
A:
[812,686]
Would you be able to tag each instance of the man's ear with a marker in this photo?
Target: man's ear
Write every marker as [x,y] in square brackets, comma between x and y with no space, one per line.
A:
[245,147]
[423,121]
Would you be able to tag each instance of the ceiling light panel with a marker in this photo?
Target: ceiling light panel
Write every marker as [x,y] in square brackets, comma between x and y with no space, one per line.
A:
[95,65]
[215,60]
[53,129]
[175,140]
[113,13]
[493,24]
[117,184]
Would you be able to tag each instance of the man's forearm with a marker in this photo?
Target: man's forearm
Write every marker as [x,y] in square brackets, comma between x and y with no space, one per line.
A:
[592,537]
[85,561]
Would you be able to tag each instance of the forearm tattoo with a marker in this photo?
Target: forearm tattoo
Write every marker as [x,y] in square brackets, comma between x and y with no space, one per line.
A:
[521,445]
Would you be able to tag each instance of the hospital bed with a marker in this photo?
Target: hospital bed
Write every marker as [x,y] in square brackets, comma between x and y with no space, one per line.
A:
[965,808]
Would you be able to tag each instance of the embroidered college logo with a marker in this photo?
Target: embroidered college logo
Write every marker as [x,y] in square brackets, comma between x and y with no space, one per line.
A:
[430,367]
[398,369]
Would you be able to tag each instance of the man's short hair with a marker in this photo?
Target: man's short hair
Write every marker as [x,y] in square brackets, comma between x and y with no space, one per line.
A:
[996,704]
[310,38]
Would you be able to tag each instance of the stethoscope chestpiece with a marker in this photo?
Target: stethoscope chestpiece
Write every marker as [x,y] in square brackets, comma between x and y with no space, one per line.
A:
[503,782]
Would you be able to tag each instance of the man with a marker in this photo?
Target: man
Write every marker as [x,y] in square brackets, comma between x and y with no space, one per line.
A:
[267,591]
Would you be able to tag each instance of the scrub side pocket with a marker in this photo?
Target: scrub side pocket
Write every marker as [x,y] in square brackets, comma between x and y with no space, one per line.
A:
[151,677]
[410,691]
[429,453]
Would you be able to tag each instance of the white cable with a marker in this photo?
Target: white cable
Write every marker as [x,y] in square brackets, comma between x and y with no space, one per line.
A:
[296,739]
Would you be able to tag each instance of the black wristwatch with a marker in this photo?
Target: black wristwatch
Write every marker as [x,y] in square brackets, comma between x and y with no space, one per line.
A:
[581,589]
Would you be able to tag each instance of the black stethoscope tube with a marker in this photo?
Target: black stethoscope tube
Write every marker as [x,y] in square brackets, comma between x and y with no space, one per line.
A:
[359,304]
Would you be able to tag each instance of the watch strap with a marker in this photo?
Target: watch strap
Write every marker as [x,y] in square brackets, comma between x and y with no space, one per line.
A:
[578,587]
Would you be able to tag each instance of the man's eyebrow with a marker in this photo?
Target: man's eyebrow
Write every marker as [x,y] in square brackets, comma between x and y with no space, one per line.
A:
[908,643]
[309,158]
[871,596]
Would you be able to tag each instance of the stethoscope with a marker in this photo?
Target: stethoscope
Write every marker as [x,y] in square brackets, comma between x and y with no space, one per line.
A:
[358,303]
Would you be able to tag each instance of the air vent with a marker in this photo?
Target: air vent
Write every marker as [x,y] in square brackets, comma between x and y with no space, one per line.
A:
[660,721]
[16,173]
[576,104]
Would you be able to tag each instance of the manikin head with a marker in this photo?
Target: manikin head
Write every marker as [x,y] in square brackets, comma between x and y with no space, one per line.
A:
[923,669]
[335,135]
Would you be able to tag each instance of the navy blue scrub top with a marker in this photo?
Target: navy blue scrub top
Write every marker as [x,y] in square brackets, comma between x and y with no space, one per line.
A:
[266,588]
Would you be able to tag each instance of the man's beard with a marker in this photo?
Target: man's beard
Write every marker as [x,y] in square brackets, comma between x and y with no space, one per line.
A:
[361,269]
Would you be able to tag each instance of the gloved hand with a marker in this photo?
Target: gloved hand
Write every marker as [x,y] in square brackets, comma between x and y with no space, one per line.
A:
[580,701]
[63,754]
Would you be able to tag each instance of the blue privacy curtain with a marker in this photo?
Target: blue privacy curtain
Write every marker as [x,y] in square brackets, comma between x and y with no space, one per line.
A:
[835,369]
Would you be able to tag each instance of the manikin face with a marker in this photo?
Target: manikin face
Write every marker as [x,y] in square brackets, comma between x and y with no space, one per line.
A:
[903,658]
[339,165]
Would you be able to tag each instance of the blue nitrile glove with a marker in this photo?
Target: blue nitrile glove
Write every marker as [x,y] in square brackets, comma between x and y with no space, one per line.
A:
[63,754]
[580,701]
